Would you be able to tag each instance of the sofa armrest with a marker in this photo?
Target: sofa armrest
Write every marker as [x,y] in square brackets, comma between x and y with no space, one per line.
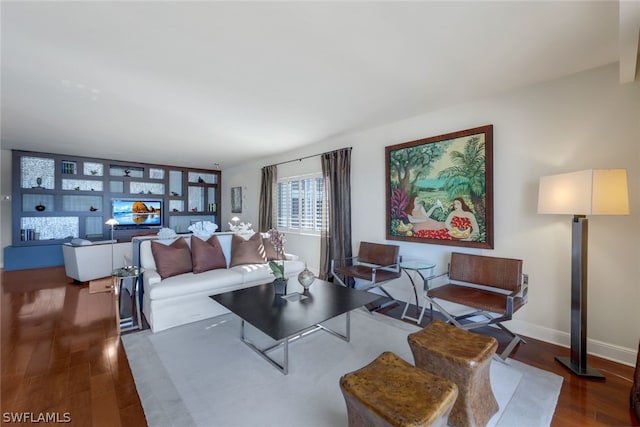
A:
[291,257]
[151,277]
[90,262]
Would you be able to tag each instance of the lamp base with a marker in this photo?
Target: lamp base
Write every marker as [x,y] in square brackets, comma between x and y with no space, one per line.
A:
[585,372]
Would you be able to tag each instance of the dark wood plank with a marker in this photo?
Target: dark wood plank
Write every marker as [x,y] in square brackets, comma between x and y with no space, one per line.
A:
[61,352]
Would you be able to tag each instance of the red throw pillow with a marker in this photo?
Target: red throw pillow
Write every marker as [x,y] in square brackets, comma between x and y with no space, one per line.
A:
[207,255]
[172,259]
[249,251]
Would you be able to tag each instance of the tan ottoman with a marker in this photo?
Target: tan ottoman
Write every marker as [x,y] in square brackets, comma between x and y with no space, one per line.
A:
[392,392]
[462,357]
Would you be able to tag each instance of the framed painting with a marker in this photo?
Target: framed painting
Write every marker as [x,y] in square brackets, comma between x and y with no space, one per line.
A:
[439,190]
[236,199]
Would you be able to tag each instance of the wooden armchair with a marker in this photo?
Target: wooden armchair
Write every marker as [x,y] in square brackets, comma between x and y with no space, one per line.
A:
[494,288]
[375,263]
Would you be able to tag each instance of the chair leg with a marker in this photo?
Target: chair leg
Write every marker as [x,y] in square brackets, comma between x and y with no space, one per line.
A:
[339,279]
[455,320]
[512,344]
[387,294]
[336,276]
[444,312]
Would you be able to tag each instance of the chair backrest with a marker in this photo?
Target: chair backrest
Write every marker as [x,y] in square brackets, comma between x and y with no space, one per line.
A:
[503,273]
[378,254]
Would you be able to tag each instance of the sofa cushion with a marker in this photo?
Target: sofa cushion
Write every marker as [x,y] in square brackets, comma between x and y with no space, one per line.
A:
[262,272]
[254,272]
[250,251]
[210,282]
[206,255]
[172,259]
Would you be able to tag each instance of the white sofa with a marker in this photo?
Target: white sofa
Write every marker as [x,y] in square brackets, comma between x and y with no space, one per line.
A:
[185,298]
[85,260]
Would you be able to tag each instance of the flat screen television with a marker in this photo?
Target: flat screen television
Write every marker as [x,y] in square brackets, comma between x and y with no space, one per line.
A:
[137,213]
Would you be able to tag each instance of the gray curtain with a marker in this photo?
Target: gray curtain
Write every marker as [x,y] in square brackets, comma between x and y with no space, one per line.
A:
[267,198]
[335,242]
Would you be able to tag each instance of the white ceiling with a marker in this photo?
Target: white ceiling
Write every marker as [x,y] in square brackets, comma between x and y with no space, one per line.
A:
[198,83]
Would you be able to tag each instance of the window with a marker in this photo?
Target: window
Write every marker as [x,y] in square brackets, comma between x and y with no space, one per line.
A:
[300,203]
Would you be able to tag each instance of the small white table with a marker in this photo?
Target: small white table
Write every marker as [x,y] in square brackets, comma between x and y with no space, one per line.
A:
[411,266]
[132,320]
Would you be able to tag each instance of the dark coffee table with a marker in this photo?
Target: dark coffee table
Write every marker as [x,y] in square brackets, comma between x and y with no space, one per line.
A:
[287,318]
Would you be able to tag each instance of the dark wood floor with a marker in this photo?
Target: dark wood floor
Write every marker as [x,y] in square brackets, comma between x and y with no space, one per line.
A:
[61,354]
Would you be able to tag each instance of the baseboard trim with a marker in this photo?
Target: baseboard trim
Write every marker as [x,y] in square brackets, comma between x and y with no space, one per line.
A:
[619,354]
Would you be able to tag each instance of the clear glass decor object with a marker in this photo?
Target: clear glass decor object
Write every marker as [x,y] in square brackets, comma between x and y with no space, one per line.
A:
[306,278]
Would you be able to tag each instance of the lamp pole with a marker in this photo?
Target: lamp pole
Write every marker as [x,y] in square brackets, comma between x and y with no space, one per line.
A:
[112,222]
[577,362]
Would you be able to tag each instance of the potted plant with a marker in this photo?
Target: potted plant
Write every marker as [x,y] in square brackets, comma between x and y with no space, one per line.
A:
[277,267]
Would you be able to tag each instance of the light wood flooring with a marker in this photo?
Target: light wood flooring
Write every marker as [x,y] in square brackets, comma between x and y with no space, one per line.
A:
[61,353]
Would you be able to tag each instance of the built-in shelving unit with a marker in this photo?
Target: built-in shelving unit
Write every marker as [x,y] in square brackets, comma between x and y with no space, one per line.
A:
[59,197]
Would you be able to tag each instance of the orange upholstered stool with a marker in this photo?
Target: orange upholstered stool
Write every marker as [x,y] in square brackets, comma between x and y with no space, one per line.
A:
[464,358]
[391,392]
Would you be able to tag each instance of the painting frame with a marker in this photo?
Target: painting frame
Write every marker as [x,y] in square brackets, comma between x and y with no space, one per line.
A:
[439,190]
[236,199]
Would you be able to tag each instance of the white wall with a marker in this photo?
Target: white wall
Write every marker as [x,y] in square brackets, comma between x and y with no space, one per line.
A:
[583,121]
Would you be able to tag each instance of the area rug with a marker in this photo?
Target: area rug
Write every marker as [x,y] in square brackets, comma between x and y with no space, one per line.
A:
[201,374]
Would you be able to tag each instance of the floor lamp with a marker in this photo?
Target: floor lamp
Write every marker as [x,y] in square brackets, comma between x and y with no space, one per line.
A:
[588,192]
[112,222]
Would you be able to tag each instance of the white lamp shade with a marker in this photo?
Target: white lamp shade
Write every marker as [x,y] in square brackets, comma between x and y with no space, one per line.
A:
[112,222]
[588,192]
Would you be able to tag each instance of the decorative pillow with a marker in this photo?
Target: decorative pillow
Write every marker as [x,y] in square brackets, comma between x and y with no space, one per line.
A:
[270,250]
[172,259]
[250,251]
[207,255]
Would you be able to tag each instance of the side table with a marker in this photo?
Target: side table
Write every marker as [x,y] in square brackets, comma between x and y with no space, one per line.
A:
[128,310]
[416,266]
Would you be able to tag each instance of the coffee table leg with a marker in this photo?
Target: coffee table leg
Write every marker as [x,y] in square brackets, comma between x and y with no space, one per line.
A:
[347,336]
[284,368]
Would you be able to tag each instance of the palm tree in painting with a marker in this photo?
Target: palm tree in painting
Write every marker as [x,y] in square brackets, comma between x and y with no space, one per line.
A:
[467,176]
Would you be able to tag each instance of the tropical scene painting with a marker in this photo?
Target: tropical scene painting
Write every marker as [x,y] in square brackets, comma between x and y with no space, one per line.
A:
[439,189]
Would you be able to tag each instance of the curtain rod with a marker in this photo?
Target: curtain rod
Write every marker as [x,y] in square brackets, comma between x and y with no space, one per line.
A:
[306,157]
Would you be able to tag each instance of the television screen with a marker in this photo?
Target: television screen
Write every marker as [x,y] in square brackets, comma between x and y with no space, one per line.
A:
[137,212]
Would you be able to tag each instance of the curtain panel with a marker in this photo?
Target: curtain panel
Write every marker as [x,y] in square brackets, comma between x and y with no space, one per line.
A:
[266,208]
[335,239]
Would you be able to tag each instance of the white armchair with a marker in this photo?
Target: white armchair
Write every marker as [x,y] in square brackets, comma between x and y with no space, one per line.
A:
[93,261]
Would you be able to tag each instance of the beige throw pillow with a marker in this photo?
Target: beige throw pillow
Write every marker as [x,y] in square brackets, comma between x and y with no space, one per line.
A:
[207,255]
[172,259]
[249,251]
